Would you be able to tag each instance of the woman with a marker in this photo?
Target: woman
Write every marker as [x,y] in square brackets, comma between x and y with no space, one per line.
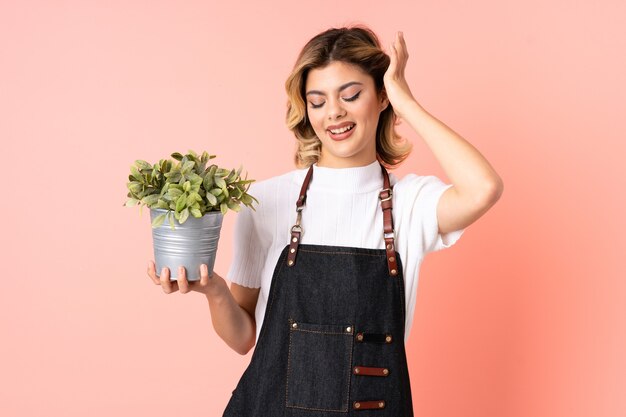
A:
[320,288]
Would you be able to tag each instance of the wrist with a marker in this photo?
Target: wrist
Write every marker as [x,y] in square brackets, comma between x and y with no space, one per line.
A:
[217,290]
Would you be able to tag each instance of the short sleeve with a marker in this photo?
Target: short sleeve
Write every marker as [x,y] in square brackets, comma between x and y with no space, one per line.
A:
[419,197]
[249,249]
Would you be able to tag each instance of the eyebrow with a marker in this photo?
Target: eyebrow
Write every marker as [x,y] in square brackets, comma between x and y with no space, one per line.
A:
[343,87]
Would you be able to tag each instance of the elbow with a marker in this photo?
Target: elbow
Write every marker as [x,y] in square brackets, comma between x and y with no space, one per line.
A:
[245,348]
[492,193]
[495,190]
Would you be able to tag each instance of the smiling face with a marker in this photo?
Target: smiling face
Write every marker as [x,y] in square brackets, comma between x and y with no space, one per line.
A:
[340,95]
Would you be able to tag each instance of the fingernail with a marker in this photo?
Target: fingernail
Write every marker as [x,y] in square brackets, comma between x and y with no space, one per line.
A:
[180,269]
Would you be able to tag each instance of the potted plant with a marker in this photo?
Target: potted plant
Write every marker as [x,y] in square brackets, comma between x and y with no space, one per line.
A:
[187,201]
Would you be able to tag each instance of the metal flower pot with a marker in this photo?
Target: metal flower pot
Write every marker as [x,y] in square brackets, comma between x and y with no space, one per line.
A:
[190,244]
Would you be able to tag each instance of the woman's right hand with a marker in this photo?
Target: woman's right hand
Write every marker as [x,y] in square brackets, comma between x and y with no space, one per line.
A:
[206,285]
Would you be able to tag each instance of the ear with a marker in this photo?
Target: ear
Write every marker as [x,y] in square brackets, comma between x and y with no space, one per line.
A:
[384,101]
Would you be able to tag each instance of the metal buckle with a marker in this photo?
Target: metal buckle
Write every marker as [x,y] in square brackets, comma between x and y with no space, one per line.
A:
[297,228]
[392,233]
[386,198]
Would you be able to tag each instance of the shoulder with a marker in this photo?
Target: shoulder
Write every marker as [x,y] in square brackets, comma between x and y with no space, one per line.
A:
[413,186]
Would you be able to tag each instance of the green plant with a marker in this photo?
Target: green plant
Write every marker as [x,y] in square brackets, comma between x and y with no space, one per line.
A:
[187,187]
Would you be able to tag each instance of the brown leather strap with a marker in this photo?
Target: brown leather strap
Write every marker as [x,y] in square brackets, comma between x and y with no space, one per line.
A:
[374,337]
[370,371]
[368,405]
[296,229]
[385,197]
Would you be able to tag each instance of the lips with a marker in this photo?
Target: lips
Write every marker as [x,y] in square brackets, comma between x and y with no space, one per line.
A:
[339,126]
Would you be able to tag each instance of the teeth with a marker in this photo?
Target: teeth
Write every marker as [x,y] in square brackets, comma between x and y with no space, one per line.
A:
[344,129]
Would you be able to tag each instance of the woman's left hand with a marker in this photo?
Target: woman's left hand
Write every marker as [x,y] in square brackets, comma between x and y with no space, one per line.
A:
[398,91]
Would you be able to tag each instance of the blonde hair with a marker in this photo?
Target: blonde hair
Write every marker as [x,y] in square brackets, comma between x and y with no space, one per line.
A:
[357,45]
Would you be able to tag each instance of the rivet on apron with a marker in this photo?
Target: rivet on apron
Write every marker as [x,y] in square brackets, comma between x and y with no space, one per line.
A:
[290,262]
[389,246]
[356,370]
[348,329]
[385,371]
[292,250]
[391,259]
[294,325]
[394,272]
[357,405]
[388,338]
[295,239]
[381,404]
[359,337]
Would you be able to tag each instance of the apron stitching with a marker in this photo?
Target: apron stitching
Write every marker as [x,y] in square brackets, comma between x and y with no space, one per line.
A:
[288,368]
[269,308]
[343,253]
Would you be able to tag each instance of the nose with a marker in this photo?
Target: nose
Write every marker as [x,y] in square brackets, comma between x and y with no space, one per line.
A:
[335,109]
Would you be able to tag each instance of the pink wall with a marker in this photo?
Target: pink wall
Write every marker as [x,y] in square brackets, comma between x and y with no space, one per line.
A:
[523,317]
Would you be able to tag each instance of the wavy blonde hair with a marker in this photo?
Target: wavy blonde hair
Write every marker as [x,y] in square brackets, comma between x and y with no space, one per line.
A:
[357,45]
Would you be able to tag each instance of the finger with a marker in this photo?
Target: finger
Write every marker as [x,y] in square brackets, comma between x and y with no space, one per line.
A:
[204,275]
[152,273]
[182,280]
[167,285]
[393,57]
[203,282]
[400,45]
[404,48]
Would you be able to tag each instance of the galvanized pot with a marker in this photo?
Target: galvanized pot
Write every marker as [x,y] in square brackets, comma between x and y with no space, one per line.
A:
[190,244]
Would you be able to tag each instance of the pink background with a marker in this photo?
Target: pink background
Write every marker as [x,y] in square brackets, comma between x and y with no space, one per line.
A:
[524,316]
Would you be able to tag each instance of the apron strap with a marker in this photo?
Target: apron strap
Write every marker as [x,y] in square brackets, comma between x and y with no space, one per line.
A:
[385,197]
[296,229]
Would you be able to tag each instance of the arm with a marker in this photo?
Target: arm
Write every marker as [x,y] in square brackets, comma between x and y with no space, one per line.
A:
[476,186]
[232,313]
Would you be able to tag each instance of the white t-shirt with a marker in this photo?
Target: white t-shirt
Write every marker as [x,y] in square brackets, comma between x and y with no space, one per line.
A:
[342,209]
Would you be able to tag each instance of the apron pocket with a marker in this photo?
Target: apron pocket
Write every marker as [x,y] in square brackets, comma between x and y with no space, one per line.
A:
[318,366]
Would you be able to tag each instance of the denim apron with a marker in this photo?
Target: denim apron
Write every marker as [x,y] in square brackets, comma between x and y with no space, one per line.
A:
[332,340]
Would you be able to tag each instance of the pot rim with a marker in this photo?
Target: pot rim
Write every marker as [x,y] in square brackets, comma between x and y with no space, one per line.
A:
[213,212]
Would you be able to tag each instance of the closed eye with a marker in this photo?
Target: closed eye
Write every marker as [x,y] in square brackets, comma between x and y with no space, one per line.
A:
[354,97]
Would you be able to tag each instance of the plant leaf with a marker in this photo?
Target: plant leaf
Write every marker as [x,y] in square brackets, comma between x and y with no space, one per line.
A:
[233,205]
[187,166]
[193,197]
[195,213]
[158,220]
[208,181]
[219,181]
[174,192]
[180,203]
[150,200]
[183,216]
[224,208]
[141,164]
[171,218]
[135,173]
[211,199]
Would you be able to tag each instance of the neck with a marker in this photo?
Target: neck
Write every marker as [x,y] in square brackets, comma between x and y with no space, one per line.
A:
[344,162]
